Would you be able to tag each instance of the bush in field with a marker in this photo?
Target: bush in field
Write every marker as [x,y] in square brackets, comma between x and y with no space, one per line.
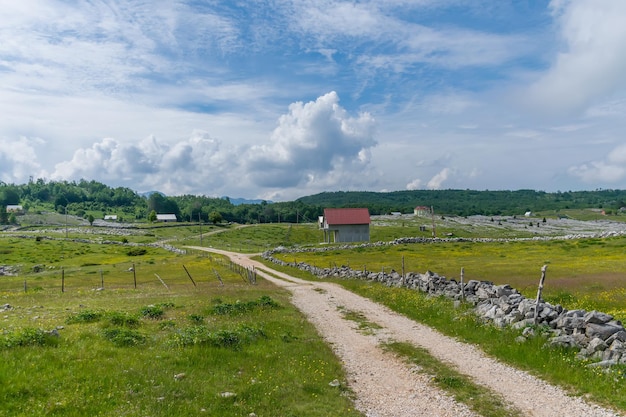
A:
[124,319]
[223,338]
[28,337]
[239,307]
[85,316]
[154,312]
[124,337]
[196,318]
[137,251]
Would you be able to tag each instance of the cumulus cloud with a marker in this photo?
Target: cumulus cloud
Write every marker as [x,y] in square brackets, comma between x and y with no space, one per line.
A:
[313,142]
[18,160]
[593,60]
[437,181]
[189,164]
[434,183]
[416,184]
[609,170]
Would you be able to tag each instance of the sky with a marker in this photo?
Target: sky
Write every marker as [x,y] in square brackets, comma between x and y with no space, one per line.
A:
[279,99]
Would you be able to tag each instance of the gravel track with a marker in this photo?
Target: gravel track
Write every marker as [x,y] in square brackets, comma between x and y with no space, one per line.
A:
[386,386]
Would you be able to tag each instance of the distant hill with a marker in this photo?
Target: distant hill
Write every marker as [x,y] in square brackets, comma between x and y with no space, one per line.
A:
[147,194]
[91,197]
[468,202]
[240,201]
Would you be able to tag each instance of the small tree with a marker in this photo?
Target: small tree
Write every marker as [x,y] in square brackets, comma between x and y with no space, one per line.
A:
[215,217]
[90,219]
[152,216]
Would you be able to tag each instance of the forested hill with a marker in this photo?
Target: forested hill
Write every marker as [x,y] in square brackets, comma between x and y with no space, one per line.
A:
[94,199]
[468,202]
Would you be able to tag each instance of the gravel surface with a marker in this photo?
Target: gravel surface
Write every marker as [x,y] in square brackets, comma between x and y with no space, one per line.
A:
[386,386]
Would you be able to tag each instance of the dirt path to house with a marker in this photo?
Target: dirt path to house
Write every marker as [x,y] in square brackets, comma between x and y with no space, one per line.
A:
[386,386]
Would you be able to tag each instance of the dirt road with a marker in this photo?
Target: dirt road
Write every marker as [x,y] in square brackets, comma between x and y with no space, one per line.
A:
[386,386]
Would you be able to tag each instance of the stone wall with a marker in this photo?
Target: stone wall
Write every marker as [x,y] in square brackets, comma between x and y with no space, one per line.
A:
[597,335]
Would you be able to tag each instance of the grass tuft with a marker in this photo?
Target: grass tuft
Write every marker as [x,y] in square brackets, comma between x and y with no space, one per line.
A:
[85,316]
[154,312]
[238,307]
[122,337]
[28,336]
[124,319]
[223,338]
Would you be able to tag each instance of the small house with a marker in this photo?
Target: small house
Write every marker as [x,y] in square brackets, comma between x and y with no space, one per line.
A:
[421,211]
[166,218]
[15,208]
[111,217]
[346,225]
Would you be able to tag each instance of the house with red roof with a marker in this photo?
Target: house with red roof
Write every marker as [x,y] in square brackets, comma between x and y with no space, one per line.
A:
[422,211]
[346,225]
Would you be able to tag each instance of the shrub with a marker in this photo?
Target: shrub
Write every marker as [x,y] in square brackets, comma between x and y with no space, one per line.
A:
[124,337]
[239,307]
[28,337]
[154,312]
[118,318]
[223,338]
[137,251]
[196,318]
[85,316]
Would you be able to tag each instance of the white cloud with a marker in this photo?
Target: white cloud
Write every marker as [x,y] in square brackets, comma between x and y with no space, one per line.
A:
[609,170]
[378,37]
[18,160]
[618,155]
[598,171]
[592,62]
[437,181]
[195,163]
[416,184]
[313,142]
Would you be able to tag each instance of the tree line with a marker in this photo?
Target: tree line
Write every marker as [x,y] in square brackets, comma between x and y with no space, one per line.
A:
[91,198]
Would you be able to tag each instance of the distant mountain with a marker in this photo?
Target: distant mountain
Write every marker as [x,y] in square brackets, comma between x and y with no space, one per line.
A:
[469,202]
[239,201]
[147,194]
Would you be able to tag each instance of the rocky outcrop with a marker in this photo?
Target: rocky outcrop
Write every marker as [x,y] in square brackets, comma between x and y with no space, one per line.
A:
[597,335]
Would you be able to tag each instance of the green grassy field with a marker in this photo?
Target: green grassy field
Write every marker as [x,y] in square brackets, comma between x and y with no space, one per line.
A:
[238,348]
[225,348]
[584,273]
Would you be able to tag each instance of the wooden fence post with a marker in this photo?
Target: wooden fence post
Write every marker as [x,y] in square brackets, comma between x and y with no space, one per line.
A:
[462,289]
[189,275]
[134,276]
[162,282]
[539,290]
[62,279]
[218,277]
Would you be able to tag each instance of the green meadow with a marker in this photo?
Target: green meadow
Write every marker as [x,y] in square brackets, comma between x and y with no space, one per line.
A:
[98,323]
[585,273]
[92,329]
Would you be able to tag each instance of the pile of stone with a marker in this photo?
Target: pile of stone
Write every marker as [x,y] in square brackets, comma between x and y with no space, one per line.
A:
[597,335]
[8,270]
